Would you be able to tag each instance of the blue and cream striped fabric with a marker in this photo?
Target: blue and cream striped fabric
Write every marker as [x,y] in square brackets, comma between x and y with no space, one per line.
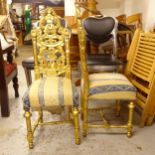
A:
[50,91]
[111,86]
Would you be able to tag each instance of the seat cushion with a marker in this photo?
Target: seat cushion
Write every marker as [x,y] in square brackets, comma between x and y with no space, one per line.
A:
[111,86]
[9,67]
[49,92]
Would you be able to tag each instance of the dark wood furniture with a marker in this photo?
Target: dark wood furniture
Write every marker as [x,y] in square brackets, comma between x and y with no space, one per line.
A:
[8,72]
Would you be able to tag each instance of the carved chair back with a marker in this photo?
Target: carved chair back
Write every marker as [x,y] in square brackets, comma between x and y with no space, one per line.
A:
[51,46]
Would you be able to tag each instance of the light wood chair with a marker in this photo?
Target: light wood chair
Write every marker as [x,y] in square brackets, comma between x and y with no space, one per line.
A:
[53,86]
[121,18]
[135,20]
[140,70]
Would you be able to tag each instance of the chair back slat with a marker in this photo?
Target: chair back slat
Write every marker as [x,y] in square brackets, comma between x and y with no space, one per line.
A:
[144,59]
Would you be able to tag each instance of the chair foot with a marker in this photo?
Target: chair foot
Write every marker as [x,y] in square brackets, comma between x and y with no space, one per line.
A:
[129,134]
[76,125]
[84,133]
[29,129]
[30,145]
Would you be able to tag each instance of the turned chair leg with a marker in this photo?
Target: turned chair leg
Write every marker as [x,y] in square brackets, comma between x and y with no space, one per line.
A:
[130,119]
[85,118]
[15,86]
[118,108]
[76,125]
[29,129]
[40,112]
[28,76]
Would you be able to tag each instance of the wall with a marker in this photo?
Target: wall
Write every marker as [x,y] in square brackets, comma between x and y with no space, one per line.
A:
[19,8]
[146,7]
[69,8]
[112,7]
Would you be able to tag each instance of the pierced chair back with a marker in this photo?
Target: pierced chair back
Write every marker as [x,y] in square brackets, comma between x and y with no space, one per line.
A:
[53,88]
[51,46]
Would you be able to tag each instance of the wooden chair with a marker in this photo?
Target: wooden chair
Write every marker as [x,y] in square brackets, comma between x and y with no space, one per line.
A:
[53,86]
[140,69]
[135,21]
[121,18]
[8,72]
[103,86]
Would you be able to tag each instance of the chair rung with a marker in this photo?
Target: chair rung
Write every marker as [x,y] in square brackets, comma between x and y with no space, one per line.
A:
[54,123]
[106,126]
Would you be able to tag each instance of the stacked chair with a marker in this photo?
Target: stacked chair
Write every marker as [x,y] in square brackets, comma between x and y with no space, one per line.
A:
[140,70]
[53,86]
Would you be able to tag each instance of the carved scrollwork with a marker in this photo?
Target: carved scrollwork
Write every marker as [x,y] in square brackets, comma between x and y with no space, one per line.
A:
[52,41]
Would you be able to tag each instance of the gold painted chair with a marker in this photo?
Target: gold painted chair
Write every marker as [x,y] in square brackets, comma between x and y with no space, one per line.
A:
[103,86]
[53,86]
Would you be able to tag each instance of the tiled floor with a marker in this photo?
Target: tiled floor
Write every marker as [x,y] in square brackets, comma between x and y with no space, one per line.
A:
[59,140]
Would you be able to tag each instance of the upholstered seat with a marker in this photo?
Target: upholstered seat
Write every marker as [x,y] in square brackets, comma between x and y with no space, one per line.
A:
[40,94]
[111,86]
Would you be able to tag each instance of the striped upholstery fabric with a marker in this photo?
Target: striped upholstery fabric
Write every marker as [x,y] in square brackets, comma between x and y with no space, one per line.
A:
[50,91]
[111,86]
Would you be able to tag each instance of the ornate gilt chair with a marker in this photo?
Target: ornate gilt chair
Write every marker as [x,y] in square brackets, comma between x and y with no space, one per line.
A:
[103,86]
[28,63]
[53,86]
